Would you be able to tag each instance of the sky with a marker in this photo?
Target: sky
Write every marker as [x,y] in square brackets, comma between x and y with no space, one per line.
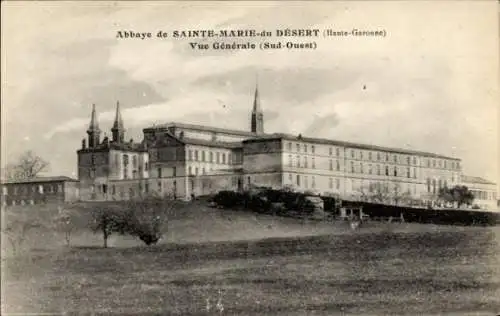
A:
[430,84]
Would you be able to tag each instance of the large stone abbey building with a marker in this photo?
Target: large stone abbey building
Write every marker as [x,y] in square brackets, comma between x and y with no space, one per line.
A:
[185,160]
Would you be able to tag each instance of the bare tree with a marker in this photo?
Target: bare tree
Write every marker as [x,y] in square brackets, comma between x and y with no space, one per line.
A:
[16,231]
[64,222]
[28,165]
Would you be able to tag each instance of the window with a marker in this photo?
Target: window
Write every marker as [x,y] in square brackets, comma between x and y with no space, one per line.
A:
[305,148]
[298,147]
[298,161]
[313,149]
[331,164]
[290,176]
[196,155]
[386,170]
[395,171]
[146,187]
[203,156]
[395,158]
[290,163]
[313,182]
[229,161]
[352,153]
[433,185]
[370,155]
[378,170]
[203,170]
[414,160]
[337,151]
[331,151]
[408,160]
[298,180]
[369,169]
[190,170]
[378,156]
[360,154]
[338,165]
[159,172]
[146,166]
[217,158]
[196,170]
[223,158]
[306,182]
[330,183]
[113,189]
[361,168]
[313,163]
[414,173]
[386,157]
[337,182]
[408,173]
[125,173]
[433,163]
[134,161]
[445,183]
[352,167]
[125,160]
[289,146]
[190,155]
[174,171]
[305,162]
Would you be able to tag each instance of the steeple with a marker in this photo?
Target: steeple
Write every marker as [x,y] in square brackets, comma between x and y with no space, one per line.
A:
[257,123]
[93,131]
[118,130]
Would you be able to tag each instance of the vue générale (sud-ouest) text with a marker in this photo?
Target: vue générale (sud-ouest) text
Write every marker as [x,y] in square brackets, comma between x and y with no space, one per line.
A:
[251,39]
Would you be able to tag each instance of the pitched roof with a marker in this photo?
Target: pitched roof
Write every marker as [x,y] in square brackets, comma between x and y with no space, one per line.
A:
[471,179]
[42,179]
[210,143]
[278,136]
[203,128]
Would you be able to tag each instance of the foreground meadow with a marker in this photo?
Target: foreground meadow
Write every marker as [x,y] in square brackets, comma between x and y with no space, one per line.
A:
[235,263]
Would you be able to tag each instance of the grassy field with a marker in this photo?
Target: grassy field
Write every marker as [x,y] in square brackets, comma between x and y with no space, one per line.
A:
[259,265]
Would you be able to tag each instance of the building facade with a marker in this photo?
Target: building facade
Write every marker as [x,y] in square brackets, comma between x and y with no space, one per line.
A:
[484,191]
[186,160]
[40,190]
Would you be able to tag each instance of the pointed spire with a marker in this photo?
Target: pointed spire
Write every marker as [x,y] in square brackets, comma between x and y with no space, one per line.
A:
[118,124]
[118,131]
[256,99]
[94,123]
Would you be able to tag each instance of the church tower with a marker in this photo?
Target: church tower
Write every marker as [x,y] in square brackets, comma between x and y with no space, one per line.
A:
[118,131]
[93,131]
[257,123]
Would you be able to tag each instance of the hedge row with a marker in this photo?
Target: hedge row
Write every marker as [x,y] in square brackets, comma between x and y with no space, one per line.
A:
[270,201]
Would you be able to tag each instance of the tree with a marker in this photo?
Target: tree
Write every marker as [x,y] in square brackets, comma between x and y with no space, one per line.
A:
[147,218]
[108,219]
[64,222]
[459,194]
[28,165]
[16,230]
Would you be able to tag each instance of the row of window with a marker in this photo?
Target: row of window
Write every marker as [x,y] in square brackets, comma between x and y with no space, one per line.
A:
[434,186]
[355,168]
[484,195]
[20,202]
[407,159]
[204,156]
[25,189]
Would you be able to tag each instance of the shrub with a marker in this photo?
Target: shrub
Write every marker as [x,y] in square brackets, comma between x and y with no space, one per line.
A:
[147,218]
[229,199]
